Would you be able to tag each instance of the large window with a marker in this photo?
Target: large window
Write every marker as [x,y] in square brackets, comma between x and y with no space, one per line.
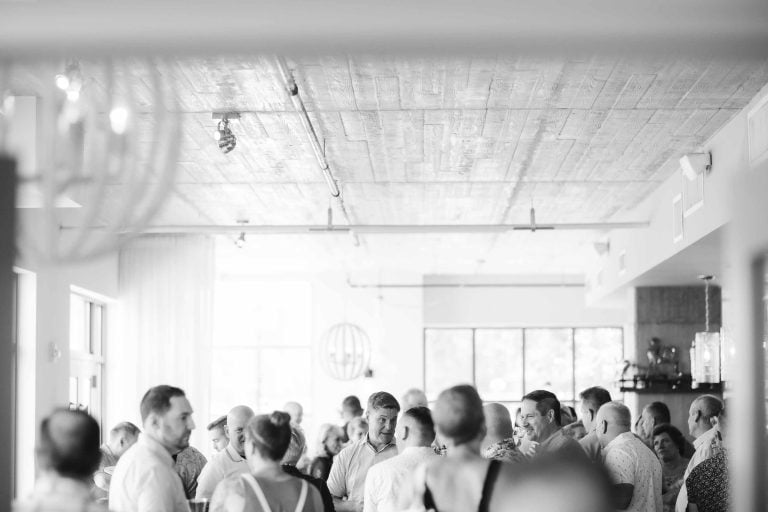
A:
[504,364]
[86,342]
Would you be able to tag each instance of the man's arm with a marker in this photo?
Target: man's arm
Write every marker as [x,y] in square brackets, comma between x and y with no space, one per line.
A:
[622,495]
[207,481]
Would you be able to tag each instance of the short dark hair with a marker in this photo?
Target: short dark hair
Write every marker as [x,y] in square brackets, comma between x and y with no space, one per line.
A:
[382,400]
[674,433]
[69,444]
[219,422]
[423,417]
[545,401]
[595,396]
[158,400]
[660,412]
[458,413]
[270,434]
[125,427]
[352,402]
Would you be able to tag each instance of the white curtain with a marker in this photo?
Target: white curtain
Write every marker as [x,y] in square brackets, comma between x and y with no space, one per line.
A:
[163,327]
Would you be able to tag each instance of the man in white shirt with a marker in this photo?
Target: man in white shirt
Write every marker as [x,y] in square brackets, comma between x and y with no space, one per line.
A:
[145,479]
[634,469]
[350,467]
[229,461]
[703,417]
[388,485]
[592,399]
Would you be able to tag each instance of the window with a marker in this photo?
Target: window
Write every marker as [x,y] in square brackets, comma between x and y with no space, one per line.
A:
[86,342]
[24,359]
[504,364]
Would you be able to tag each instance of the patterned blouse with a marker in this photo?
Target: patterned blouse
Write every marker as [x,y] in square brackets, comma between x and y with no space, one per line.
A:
[708,484]
[189,463]
[505,451]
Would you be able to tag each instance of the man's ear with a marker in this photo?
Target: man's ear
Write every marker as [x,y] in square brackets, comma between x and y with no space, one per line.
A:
[592,415]
[551,415]
[406,432]
[698,415]
[604,426]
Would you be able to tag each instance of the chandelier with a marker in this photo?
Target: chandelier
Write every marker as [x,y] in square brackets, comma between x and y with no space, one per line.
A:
[107,146]
[345,351]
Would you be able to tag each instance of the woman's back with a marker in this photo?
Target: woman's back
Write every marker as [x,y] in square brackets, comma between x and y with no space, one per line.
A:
[246,493]
[458,485]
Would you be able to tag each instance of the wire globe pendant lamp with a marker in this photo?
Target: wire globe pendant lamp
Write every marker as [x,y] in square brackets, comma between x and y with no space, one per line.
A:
[345,351]
[107,151]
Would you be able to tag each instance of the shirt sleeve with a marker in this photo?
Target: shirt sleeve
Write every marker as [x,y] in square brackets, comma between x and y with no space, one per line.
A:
[206,482]
[229,496]
[155,493]
[337,480]
[621,466]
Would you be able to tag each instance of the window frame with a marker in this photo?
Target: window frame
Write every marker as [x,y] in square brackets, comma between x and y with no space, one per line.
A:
[523,330]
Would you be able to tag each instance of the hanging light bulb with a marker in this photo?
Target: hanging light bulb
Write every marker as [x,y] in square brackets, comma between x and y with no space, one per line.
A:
[62,82]
[240,242]
[118,119]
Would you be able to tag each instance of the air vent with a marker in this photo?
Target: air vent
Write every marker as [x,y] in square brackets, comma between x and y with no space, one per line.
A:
[757,132]
[677,218]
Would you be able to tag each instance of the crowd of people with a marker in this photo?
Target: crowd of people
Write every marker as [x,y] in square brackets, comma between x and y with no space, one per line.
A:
[456,454]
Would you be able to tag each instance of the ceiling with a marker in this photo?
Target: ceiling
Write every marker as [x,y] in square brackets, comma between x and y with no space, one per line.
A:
[433,141]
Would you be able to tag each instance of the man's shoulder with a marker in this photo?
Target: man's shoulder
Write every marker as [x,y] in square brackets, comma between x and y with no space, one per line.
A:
[349,451]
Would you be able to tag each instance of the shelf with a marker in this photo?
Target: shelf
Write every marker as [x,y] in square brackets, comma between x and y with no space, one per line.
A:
[670,387]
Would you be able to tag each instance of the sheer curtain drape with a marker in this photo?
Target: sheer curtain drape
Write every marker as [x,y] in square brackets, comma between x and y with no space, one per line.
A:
[163,328]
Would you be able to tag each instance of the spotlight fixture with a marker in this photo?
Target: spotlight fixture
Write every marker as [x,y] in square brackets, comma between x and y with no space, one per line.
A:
[240,242]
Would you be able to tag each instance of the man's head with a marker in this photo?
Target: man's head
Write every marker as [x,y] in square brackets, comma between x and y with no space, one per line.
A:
[655,413]
[351,408]
[541,415]
[703,414]
[613,419]
[237,419]
[296,447]
[458,415]
[415,428]
[167,417]
[591,400]
[414,397]
[217,433]
[357,429]
[295,411]
[381,414]
[69,444]
[123,436]
[498,423]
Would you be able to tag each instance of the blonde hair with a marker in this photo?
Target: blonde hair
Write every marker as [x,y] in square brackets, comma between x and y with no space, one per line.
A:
[326,429]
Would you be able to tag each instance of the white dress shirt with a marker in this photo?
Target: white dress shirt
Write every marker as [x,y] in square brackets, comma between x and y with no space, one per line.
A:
[707,445]
[389,484]
[225,463]
[145,481]
[629,461]
[351,465]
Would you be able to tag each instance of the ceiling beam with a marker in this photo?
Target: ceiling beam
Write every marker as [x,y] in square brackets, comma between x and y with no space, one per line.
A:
[659,28]
[381,229]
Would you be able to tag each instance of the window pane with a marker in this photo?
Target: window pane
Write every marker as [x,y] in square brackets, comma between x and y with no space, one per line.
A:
[447,359]
[77,326]
[232,379]
[295,387]
[599,353]
[499,364]
[97,317]
[549,361]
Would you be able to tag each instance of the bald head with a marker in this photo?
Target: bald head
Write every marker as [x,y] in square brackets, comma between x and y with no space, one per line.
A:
[237,419]
[613,419]
[295,411]
[703,414]
[69,444]
[415,428]
[498,423]
[414,397]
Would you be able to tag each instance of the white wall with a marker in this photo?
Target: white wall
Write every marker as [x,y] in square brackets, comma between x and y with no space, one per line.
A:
[525,305]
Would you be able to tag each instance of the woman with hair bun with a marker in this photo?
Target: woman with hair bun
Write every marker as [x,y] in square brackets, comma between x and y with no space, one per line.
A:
[266,488]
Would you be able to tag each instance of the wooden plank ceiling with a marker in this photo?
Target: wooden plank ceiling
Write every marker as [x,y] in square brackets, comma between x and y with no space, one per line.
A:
[433,141]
